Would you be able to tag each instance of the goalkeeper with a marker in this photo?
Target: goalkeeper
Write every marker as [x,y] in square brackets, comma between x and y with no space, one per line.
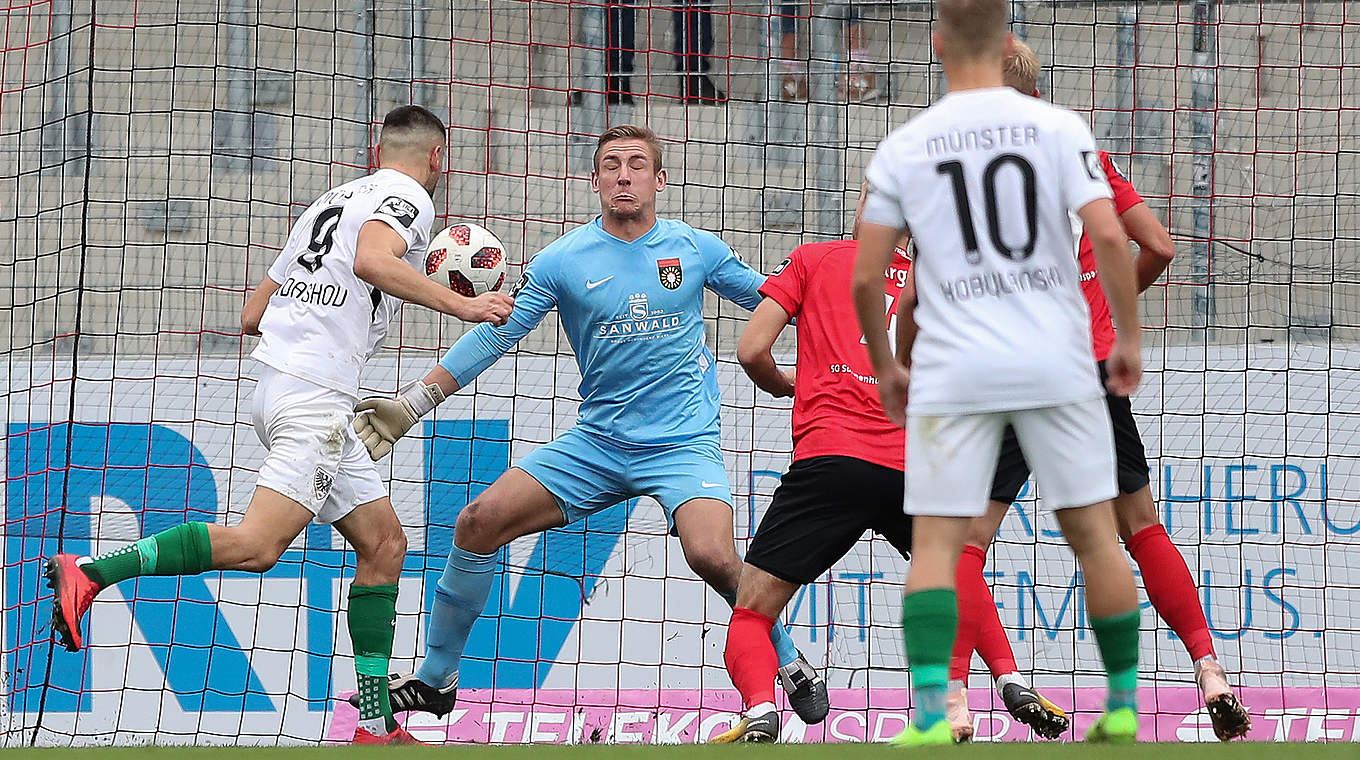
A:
[629,288]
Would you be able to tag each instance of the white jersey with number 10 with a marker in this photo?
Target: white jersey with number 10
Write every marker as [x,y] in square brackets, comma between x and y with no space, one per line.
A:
[323,323]
[984,180]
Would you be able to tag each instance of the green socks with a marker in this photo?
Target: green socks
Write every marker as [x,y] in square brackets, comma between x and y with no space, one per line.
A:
[372,620]
[181,550]
[1117,638]
[929,620]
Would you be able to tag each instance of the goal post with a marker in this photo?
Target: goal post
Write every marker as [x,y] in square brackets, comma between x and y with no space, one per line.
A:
[154,154]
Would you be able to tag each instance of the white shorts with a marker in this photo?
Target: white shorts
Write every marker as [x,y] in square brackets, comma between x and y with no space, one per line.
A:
[314,456]
[951,459]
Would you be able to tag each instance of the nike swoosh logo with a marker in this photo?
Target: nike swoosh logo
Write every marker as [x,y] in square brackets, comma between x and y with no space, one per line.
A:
[592,285]
[706,484]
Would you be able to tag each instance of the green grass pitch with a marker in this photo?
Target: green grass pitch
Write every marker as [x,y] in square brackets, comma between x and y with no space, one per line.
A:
[999,751]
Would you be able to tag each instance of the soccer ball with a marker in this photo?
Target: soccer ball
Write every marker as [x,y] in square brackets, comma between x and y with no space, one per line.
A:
[468,258]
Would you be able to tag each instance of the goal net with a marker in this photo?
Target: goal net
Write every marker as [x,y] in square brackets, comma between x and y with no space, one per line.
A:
[154,154]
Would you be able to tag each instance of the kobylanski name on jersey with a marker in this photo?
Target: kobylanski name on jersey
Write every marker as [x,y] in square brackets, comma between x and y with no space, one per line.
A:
[995,284]
[324,294]
[982,138]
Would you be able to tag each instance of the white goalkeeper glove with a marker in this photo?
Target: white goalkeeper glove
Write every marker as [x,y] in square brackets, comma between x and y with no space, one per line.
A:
[379,421]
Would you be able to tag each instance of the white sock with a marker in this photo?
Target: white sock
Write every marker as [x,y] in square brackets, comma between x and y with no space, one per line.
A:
[764,708]
[1010,678]
[1208,658]
[376,726]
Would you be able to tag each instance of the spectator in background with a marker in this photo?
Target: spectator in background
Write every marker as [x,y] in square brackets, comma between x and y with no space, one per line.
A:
[857,84]
[693,46]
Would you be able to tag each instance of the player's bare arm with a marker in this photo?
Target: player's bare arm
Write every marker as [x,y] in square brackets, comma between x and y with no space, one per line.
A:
[906,320]
[253,311]
[1125,363]
[876,246]
[1155,249]
[377,261]
[754,349]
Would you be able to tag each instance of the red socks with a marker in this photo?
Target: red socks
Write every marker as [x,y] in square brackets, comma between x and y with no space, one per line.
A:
[1169,586]
[979,624]
[1171,589]
[750,657]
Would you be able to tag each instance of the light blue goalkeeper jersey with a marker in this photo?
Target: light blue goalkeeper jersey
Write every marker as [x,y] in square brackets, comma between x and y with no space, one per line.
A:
[634,315]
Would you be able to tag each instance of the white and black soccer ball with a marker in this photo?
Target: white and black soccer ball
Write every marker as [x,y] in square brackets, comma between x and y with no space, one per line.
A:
[467,258]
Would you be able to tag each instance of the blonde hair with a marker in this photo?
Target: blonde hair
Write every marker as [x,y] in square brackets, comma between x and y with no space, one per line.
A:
[1021,69]
[629,132]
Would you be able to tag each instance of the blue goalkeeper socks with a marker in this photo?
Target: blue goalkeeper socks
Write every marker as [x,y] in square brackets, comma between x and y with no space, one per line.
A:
[784,648]
[783,644]
[459,599]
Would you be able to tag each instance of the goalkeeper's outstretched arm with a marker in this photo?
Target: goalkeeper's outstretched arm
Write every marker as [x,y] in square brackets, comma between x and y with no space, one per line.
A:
[380,421]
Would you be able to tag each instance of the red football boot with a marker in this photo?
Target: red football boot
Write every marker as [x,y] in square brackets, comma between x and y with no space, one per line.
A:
[399,735]
[74,592]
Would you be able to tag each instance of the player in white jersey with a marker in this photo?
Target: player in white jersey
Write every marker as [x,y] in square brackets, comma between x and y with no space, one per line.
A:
[984,180]
[322,311]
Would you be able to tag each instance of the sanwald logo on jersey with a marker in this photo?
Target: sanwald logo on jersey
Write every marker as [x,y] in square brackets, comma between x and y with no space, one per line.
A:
[637,306]
[999,285]
[324,294]
[639,320]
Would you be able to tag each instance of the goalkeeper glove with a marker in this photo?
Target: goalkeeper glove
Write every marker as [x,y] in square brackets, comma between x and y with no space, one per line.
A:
[380,421]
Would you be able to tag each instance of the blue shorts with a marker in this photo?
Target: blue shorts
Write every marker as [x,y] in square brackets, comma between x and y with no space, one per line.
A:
[586,472]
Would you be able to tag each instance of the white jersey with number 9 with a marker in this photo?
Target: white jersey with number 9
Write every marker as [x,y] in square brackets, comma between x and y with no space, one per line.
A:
[323,323]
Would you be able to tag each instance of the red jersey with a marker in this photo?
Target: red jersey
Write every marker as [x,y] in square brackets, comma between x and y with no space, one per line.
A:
[836,409]
[1102,327]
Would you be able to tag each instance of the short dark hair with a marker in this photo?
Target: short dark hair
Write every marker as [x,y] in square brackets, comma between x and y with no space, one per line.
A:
[629,132]
[412,117]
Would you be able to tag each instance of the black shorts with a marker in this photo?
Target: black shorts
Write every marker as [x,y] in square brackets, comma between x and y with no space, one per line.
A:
[821,508]
[1130,459]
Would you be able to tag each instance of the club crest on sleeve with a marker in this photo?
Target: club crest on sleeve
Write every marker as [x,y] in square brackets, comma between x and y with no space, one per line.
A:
[400,209]
[670,274]
[1093,167]
[321,484]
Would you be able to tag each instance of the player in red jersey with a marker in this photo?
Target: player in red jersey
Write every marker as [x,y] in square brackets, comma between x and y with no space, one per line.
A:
[1169,585]
[846,476]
